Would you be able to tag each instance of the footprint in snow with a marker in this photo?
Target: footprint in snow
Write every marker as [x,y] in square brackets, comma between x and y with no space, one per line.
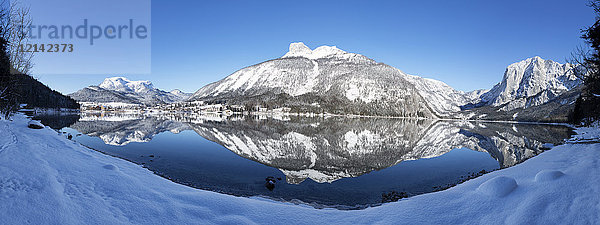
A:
[548,175]
[110,167]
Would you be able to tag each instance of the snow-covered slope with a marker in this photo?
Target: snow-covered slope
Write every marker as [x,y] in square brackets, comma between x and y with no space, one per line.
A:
[179,96]
[531,82]
[121,89]
[47,179]
[340,82]
[97,94]
[442,98]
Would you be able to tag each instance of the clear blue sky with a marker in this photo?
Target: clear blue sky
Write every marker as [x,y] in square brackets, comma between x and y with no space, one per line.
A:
[105,56]
[466,44]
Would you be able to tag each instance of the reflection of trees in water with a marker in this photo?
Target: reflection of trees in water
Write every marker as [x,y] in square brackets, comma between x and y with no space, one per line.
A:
[57,120]
[327,149]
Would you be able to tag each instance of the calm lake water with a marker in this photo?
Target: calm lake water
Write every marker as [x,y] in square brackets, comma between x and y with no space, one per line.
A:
[337,162]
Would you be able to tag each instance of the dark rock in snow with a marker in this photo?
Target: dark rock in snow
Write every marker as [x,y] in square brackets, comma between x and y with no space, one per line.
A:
[34,124]
[270,183]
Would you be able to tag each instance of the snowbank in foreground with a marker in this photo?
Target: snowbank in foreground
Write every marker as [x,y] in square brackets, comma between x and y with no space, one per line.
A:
[47,179]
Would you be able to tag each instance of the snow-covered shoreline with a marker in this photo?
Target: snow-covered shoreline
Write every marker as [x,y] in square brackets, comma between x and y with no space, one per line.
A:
[47,179]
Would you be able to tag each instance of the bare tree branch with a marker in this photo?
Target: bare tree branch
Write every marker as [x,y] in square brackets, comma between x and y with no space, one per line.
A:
[579,58]
[15,24]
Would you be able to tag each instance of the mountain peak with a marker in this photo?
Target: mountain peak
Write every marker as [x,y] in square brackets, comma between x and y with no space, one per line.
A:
[110,80]
[299,49]
[124,84]
[176,91]
[531,82]
[532,60]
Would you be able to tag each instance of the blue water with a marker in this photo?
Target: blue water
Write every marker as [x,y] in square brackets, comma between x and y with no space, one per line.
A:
[329,172]
[190,159]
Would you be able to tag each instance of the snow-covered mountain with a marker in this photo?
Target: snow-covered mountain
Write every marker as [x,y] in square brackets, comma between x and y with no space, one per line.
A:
[337,82]
[122,84]
[531,82]
[328,79]
[121,89]
[179,96]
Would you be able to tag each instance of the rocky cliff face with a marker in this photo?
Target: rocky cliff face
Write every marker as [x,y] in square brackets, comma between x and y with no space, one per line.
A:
[531,82]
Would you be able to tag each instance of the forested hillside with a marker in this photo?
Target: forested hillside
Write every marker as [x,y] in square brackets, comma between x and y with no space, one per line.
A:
[35,94]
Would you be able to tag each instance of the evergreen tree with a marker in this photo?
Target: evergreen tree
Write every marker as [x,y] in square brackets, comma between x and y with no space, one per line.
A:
[592,60]
[8,98]
[587,106]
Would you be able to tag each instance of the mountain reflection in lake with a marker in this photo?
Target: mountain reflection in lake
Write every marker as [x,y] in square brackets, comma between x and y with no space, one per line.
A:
[334,161]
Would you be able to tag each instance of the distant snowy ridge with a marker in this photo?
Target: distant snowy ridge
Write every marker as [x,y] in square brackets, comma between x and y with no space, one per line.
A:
[125,85]
[121,89]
